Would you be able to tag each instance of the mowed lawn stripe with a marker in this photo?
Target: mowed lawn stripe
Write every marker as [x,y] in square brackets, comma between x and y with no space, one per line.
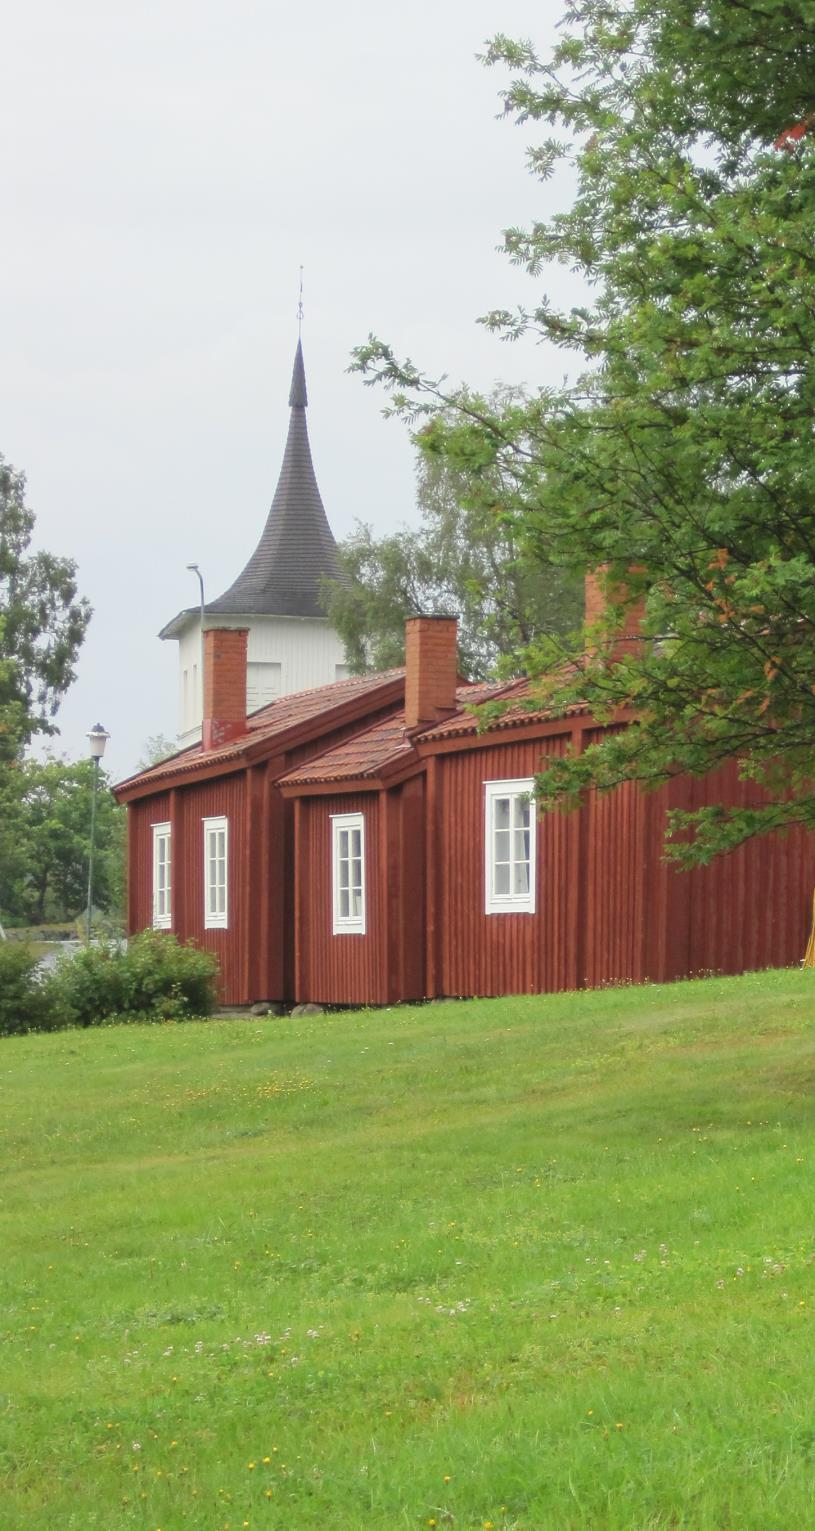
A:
[531,1262]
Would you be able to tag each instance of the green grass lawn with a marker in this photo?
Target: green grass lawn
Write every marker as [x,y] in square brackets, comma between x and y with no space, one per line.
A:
[522,1263]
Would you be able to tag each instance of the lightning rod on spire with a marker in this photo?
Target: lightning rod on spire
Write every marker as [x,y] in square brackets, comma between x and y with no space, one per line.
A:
[300,307]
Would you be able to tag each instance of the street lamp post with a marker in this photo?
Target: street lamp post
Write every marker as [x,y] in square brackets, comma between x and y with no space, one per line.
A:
[194,569]
[97,739]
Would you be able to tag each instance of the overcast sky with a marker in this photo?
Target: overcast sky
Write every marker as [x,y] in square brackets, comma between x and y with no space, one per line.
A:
[167,167]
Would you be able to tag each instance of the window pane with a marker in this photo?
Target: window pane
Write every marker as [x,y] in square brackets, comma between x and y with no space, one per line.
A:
[356,842]
[342,844]
[520,877]
[521,811]
[345,903]
[520,846]
[502,878]
[344,869]
[501,812]
[501,845]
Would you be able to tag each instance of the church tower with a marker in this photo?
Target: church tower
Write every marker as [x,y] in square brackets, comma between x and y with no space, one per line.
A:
[292,646]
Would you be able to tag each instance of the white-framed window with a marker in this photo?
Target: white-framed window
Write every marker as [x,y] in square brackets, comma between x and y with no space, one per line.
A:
[216,886]
[348,873]
[162,876]
[510,837]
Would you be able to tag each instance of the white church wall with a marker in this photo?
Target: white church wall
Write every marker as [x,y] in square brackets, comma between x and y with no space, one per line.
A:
[190,693]
[285,654]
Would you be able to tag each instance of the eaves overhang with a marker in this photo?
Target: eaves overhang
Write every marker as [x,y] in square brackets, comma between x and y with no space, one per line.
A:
[387,774]
[179,624]
[541,725]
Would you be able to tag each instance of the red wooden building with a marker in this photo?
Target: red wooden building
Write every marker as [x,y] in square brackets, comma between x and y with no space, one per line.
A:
[363,843]
[210,853]
[462,891]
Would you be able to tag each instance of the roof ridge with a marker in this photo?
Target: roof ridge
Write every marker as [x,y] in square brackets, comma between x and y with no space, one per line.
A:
[371,678]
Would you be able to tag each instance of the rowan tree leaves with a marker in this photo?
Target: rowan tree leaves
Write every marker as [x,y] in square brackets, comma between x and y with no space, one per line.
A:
[685,449]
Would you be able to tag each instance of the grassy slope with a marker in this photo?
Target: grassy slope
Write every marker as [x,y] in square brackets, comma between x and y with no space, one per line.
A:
[530,1263]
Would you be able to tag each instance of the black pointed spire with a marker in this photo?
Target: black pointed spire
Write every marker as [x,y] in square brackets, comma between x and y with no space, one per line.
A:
[298,397]
[296,548]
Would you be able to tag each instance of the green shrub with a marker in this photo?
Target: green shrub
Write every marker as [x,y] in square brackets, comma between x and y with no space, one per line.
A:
[155,978]
[24,1001]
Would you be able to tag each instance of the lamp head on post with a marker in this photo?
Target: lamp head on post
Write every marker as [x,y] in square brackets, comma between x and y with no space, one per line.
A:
[194,569]
[97,739]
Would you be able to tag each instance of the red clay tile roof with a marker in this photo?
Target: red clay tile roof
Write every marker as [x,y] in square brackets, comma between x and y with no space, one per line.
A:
[362,755]
[513,716]
[269,723]
[384,744]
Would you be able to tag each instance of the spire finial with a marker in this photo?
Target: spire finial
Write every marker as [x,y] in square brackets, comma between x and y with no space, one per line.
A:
[300,307]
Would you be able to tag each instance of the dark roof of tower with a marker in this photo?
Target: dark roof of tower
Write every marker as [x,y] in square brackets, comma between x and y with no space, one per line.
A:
[296,548]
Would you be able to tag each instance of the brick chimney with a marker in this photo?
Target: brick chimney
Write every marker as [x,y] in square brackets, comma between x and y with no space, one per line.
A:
[431,669]
[224,685]
[599,595]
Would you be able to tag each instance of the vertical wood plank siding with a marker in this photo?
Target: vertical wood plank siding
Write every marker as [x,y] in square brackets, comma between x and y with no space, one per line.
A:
[225,796]
[410,886]
[499,953]
[141,816]
[628,885]
[752,908]
[347,969]
[386,964]
[610,909]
